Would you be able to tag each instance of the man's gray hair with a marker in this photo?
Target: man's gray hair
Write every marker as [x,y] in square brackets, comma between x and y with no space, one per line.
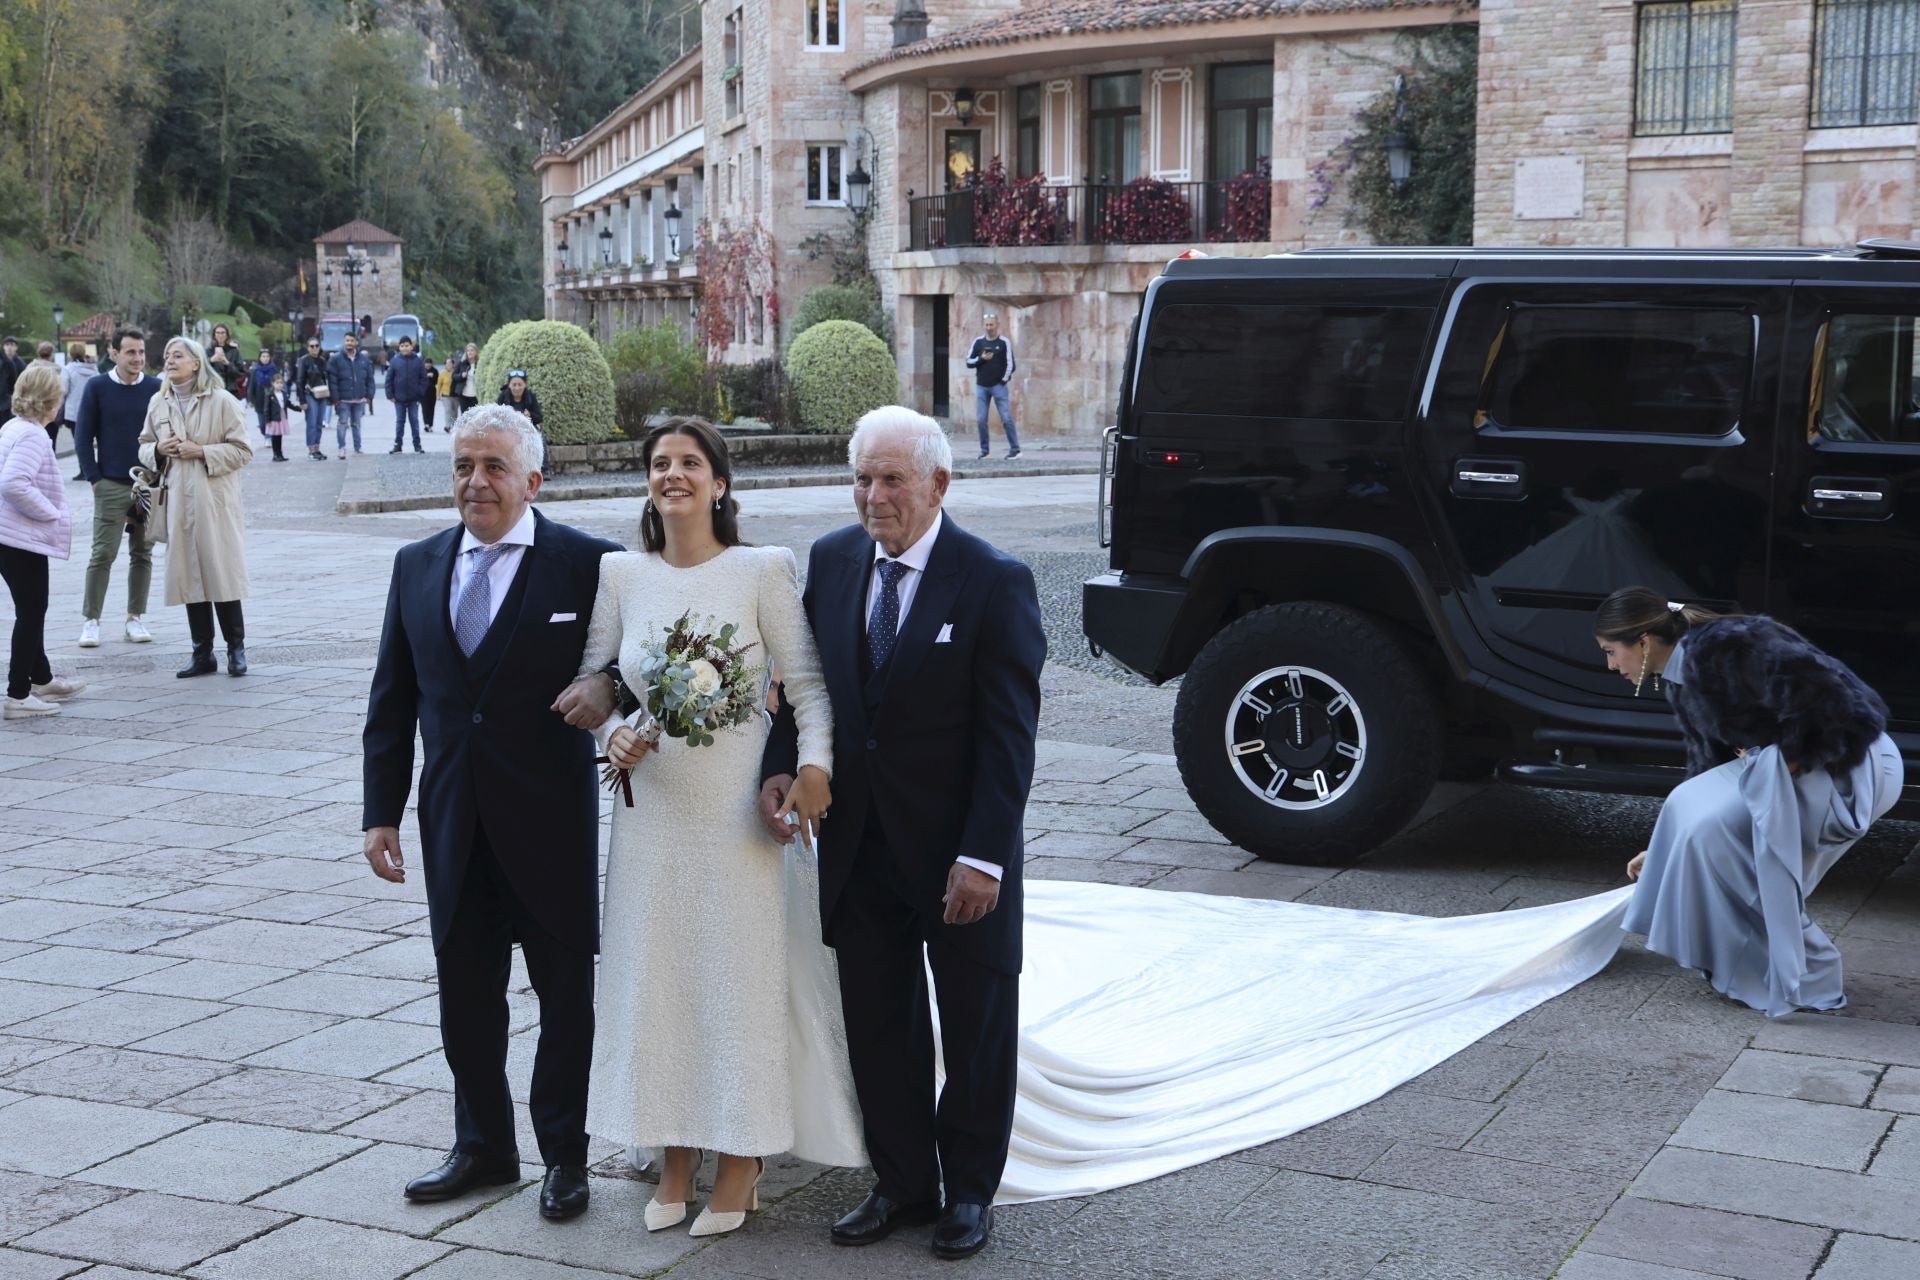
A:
[930,450]
[529,450]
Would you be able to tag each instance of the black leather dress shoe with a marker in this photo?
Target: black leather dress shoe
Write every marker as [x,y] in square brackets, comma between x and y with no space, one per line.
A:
[563,1194]
[963,1230]
[458,1174]
[877,1216]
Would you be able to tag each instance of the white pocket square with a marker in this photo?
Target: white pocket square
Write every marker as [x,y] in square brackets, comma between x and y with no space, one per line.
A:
[945,636]
[563,617]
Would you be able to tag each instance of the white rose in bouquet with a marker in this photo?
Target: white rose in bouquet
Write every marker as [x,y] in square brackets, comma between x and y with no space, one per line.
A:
[705,681]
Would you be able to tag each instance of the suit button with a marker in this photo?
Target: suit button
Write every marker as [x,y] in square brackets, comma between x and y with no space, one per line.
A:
[873,744]
[476,717]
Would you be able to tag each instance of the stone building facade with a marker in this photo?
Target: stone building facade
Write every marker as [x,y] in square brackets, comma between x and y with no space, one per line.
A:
[377,290]
[621,206]
[1786,122]
[1220,109]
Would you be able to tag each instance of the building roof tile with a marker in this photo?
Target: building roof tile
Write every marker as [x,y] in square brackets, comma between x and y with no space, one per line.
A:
[1045,18]
[360,231]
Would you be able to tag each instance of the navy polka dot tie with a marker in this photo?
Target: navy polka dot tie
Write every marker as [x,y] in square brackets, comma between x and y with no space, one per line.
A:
[883,621]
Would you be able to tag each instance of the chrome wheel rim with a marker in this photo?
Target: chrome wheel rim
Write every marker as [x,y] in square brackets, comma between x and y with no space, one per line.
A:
[1296,738]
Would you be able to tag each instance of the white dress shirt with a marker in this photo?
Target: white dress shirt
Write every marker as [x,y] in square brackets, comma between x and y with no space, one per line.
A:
[915,559]
[505,565]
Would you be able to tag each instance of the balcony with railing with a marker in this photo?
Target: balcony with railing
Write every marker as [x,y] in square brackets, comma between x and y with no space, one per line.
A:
[1145,211]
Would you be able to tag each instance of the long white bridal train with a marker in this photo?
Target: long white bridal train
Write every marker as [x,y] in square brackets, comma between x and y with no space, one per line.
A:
[1160,1030]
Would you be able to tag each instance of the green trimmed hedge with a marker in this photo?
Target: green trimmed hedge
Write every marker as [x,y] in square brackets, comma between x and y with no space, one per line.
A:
[566,369]
[840,371]
[839,302]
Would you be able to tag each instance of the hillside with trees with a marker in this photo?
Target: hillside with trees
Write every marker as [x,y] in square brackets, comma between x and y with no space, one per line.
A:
[148,151]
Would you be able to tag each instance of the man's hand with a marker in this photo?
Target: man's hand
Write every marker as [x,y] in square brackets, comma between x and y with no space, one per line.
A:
[971,894]
[383,854]
[773,797]
[587,702]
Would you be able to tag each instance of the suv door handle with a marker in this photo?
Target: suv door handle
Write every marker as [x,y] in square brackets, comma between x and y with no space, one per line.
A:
[1849,498]
[1500,479]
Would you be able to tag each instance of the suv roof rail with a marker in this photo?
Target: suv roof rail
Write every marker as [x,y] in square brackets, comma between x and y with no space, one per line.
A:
[1888,247]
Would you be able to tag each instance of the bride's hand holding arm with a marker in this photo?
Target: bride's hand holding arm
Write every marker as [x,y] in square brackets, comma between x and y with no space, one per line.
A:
[808,800]
[784,625]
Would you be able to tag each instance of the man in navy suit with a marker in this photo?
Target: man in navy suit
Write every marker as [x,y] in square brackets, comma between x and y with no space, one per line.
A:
[483,637]
[932,646]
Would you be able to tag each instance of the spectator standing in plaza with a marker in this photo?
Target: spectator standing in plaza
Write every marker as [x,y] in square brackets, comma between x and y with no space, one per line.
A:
[34,528]
[113,408]
[517,395]
[268,402]
[198,428]
[436,376]
[12,366]
[259,381]
[79,371]
[466,372]
[350,389]
[308,391]
[991,359]
[407,385]
[229,365]
[43,355]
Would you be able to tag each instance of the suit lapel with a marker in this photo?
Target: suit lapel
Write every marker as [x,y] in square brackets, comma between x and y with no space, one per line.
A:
[443,559]
[531,591]
[932,605]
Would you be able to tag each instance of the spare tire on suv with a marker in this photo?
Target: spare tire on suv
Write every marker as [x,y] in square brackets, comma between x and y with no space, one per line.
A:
[1307,733]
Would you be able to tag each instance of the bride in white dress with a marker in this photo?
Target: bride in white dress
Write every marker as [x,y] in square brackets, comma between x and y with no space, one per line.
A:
[696,1012]
[1158,1030]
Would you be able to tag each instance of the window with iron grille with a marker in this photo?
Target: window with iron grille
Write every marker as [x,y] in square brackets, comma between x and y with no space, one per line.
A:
[1865,57]
[1684,82]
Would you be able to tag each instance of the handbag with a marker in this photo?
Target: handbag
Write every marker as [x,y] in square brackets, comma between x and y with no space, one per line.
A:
[148,510]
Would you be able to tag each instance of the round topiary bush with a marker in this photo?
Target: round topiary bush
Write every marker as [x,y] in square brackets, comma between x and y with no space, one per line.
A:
[565,368]
[838,302]
[840,370]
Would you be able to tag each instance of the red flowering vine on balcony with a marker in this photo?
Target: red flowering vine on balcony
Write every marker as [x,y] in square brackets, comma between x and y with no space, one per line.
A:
[1249,204]
[1145,211]
[1016,211]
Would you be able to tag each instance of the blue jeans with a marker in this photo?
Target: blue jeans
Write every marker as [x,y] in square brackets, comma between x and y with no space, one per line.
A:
[996,395]
[316,423]
[405,411]
[347,414]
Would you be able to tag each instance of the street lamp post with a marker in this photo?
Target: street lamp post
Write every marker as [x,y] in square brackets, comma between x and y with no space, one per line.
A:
[351,268]
[59,322]
[606,246]
[859,183]
[672,216]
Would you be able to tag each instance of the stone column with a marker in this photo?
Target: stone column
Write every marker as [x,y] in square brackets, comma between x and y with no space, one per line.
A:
[1772,70]
[1292,111]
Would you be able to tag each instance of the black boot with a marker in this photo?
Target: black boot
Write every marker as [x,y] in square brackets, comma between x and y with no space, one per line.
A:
[237,660]
[201,664]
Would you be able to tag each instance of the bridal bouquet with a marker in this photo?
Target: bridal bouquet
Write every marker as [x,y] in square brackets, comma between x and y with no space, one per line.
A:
[697,681]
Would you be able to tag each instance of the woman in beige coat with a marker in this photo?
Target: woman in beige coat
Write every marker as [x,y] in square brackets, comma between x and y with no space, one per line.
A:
[198,429]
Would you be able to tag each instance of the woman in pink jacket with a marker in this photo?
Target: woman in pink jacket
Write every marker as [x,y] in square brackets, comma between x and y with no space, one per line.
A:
[34,526]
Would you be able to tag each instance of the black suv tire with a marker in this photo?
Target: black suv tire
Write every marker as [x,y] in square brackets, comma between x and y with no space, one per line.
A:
[1363,735]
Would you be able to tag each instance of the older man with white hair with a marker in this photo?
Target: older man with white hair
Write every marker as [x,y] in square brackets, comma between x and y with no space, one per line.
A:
[484,630]
[931,644]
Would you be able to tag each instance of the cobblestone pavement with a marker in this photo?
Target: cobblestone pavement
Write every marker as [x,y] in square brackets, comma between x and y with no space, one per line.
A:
[218,1054]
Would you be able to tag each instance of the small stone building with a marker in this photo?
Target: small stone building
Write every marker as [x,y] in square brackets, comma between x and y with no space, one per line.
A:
[372,247]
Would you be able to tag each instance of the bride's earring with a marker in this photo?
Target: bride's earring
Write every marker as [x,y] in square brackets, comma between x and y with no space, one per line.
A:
[1643,672]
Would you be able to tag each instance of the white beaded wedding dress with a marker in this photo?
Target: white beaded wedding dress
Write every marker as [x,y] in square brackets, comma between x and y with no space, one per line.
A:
[1158,1030]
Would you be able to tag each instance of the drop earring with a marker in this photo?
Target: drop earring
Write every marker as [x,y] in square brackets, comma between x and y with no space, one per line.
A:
[1643,673]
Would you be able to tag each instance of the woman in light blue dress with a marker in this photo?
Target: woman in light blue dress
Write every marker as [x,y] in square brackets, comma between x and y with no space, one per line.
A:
[1788,764]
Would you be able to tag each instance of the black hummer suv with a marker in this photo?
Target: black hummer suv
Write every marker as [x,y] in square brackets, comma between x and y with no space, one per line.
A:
[1366,501]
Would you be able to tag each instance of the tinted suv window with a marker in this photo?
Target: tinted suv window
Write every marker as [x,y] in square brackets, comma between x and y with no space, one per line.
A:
[1355,363]
[1866,386]
[1661,370]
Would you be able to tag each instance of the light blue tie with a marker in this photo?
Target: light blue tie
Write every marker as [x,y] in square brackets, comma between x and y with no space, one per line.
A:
[475,614]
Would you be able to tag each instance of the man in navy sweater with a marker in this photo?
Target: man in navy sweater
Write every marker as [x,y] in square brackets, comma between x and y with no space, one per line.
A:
[113,409]
[991,359]
[407,386]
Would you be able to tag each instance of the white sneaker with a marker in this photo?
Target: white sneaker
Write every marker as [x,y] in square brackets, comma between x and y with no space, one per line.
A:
[28,707]
[137,632]
[90,634]
[57,689]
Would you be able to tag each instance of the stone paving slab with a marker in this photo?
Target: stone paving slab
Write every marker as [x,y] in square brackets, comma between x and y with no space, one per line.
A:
[1811,1079]
[60,1136]
[1787,1192]
[1785,1129]
[309,1249]
[222,1161]
[155,1232]
[1867,1258]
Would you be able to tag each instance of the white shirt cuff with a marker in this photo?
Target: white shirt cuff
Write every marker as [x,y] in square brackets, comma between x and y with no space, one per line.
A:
[991,868]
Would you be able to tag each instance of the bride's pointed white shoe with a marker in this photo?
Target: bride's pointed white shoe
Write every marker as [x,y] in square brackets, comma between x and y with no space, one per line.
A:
[710,1223]
[660,1215]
